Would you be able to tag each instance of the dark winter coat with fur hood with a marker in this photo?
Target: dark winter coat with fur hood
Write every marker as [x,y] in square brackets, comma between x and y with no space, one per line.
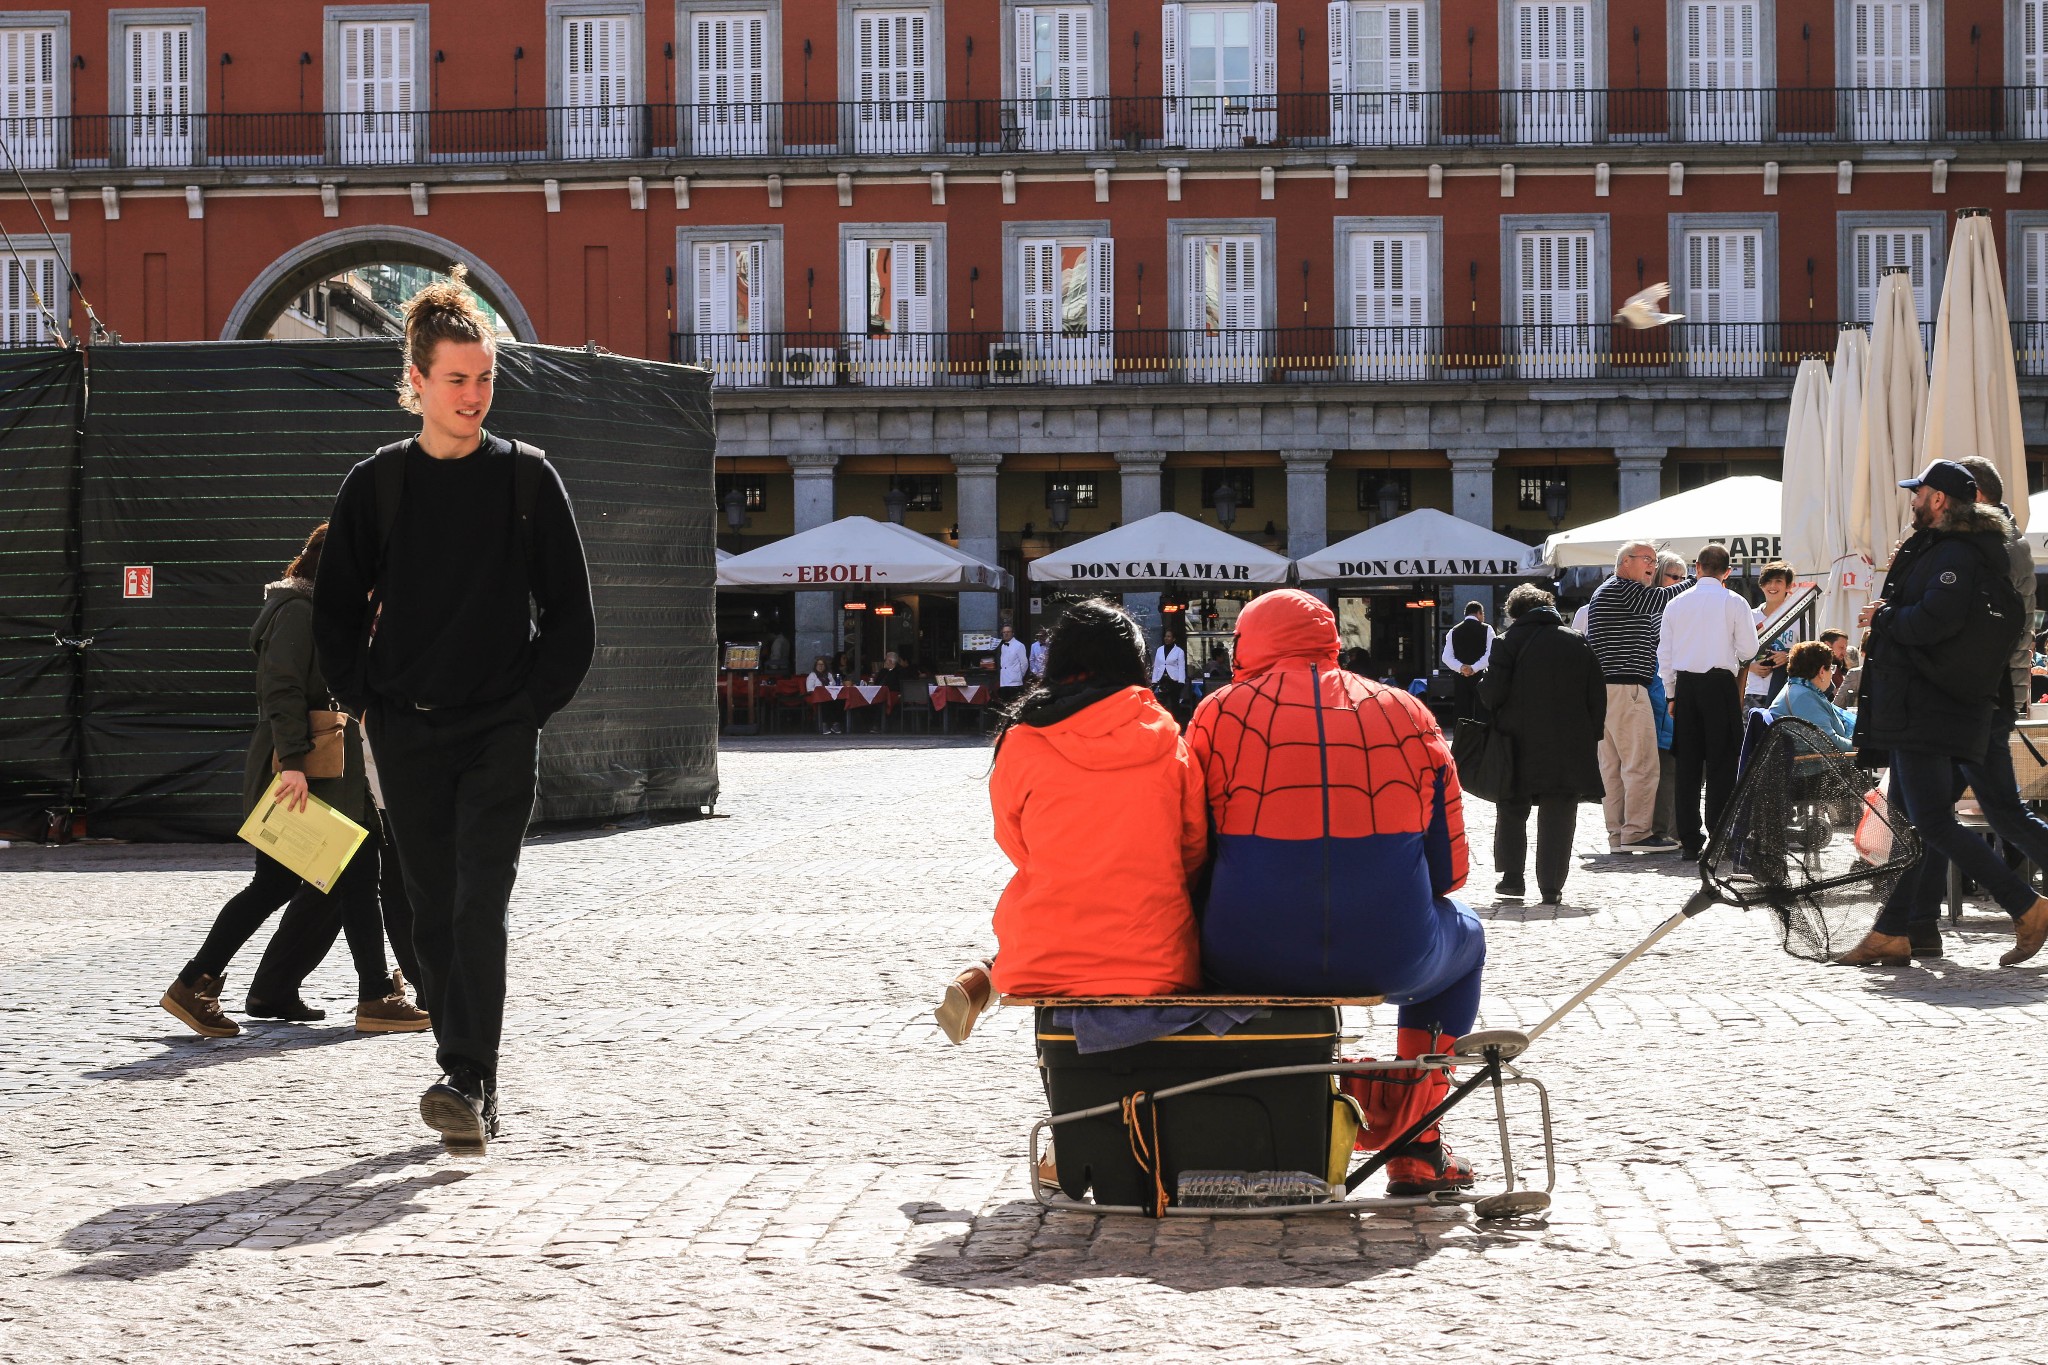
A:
[1931,590]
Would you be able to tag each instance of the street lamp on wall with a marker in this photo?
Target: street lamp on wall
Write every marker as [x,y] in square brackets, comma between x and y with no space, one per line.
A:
[1226,501]
[1058,506]
[1557,498]
[1389,497]
[894,502]
[735,508]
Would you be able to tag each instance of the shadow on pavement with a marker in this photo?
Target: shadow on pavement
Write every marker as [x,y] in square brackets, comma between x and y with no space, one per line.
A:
[136,1241]
[1534,914]
[996,1250]
[1945,981]
[127,858]
[1811,1282]
[185,1053]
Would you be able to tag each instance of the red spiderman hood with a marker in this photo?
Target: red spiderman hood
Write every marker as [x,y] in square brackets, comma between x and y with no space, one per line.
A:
[1289,626]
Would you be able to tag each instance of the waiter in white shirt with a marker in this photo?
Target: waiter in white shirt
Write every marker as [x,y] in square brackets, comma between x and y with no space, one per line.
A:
[1037,664]
[1468,648]
[1170,676]
[1707,641]
[1012,663]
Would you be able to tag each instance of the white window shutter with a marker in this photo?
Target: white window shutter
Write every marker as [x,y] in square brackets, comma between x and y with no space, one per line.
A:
[1173,29]
[1195,285]
[1027,46]
[28,286]
[750,315]
[865,28]
[28,77]
[1340,71]
[910,263]
[1102,287]
[1266,47]
[2033,17]
[2034,276]
[705,70]
[1036,257]
[857,316]
[705,273]
[1077,52]
[1407,72]
[918,54]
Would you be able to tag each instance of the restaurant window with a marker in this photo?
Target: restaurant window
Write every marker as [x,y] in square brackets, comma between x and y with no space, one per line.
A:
[926,492]
[753,487]
[1081,489]
[1370,481]
[1531,488]
[1240,479]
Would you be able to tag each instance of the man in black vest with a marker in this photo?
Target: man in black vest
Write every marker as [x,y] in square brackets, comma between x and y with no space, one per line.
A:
[1467,647]
[453,613]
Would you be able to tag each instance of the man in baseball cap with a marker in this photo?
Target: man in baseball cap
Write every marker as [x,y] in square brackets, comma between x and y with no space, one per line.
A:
[1943,476]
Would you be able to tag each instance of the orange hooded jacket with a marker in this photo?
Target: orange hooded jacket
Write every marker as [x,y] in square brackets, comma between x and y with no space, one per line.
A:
[1105,820]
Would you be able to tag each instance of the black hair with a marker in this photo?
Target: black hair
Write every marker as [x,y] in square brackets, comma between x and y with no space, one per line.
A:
[1095,646]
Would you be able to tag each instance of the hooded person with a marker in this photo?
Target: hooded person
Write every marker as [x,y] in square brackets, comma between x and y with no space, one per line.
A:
[1101,813]
[1339,836]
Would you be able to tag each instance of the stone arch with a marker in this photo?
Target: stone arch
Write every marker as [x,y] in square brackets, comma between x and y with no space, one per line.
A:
[310,262]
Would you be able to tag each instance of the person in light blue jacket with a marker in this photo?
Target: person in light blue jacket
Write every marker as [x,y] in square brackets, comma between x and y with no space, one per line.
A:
[1802,698]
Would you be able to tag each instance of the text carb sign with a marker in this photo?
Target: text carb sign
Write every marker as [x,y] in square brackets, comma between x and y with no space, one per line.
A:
[1429,568]
[1748,549]
[1151,568]
[835,573]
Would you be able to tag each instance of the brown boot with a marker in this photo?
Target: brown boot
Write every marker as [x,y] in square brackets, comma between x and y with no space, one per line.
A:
[197,1006]
[1880,950]
[392,1013]
[967,995]
[2031,930]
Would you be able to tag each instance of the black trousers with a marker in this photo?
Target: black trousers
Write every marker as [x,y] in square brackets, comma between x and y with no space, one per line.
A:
[1465,694]
[458,789]
[1706,742]
[312,922]
[352,903]
[1557,821]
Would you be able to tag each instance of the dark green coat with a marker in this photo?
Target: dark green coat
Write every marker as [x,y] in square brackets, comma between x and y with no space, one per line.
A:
[288,685]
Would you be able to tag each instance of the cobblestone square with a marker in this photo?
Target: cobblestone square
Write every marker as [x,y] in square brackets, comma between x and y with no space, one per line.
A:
[732,1130]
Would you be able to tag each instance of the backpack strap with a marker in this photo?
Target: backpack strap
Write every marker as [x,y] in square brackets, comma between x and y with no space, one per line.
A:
[387,467]
[528,461]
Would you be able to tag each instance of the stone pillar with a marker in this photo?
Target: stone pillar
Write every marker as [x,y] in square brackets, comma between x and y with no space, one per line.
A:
[1472,499]
[1642,474]
[812,505]
[974,478]
[1139,471]
[1308,505]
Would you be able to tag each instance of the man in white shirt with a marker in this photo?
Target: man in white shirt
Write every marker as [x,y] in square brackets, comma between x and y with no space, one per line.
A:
[1038,654]
[1707,640]
[1468,646]
[1012,663]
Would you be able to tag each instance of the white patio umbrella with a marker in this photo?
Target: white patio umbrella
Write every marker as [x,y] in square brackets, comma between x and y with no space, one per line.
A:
[1740,513]
[1894,407]
[2037,507]
[1164,549]
[1803,510]
[859,552]
[723,555]
[1973,400]
[1426,543]
[1849,575]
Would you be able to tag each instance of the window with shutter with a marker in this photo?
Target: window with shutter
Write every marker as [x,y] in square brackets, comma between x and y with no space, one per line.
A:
[378,93]
[1378,73]
[1552,66]
[1718,69]
[159,124]
[28,96]
[2032,317]
[1054,50]
[1874,250]
[1067,316]
[598,118]
[728,114]
[1554,304]
[2030,62]
[729,311]
[1722,297]
[29,298]
[1223,73]
[1222,311]
[1390,275]
[892,72]
[1888,66]
[890,290]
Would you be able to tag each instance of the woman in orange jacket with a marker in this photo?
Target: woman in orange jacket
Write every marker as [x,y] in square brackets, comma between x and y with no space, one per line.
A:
[1105,819]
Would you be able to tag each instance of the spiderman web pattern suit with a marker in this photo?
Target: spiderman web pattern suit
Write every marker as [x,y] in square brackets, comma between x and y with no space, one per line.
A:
[1339,831]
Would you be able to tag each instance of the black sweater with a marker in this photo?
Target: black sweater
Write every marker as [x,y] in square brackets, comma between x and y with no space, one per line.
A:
[455,629]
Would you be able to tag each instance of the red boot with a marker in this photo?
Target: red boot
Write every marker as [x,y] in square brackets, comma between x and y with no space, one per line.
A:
[1424,1164]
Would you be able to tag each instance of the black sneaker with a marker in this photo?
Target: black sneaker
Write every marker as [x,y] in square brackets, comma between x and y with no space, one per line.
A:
[1511,888]
[463,1109]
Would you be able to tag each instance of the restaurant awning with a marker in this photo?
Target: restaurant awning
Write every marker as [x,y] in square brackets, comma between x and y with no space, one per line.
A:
[1741,513]
[855,553]
[1164,550]
[1426,543]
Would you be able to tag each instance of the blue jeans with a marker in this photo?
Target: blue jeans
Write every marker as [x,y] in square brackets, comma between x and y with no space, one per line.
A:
[1925,784]
[1997,793]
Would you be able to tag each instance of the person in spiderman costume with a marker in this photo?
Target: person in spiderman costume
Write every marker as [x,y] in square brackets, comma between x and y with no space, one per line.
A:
[1340,836]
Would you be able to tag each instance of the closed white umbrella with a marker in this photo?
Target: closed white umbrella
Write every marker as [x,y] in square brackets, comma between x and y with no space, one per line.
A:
[1894,408]
[1850,575]
[1803,511]
[1973,400]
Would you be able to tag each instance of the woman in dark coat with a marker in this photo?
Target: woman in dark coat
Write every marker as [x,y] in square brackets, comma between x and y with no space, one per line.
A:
[1544,688]
[289,685]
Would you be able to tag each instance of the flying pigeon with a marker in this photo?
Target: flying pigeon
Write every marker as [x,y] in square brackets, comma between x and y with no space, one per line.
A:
[1641,309]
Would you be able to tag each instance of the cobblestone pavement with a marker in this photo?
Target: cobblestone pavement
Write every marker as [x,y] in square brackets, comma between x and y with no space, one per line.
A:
[732,1131]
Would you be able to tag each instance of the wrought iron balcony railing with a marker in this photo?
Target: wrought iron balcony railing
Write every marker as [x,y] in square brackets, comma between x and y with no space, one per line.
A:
[1528,118]
[1292,355]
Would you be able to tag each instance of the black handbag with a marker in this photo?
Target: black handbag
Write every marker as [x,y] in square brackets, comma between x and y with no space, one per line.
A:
[1486,761]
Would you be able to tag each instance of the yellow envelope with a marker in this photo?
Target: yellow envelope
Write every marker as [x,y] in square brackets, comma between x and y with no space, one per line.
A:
[316,842]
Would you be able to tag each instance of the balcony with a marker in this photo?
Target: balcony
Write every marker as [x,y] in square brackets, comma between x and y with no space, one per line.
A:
[1461,354]
[1432,119]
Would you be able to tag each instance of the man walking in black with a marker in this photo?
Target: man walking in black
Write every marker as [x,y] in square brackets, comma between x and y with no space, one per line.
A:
[1468,648]
[453,613]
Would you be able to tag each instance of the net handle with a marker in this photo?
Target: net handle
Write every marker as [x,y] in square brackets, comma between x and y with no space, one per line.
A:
[1701,899]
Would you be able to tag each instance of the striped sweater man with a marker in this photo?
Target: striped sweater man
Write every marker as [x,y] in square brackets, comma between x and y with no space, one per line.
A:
[1623,623]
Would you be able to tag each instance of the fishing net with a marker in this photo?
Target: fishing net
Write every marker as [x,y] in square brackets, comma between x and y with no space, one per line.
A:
[1808,835]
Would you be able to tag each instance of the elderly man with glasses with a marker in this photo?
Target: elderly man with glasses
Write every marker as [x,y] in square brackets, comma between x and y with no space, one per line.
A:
[1624,622]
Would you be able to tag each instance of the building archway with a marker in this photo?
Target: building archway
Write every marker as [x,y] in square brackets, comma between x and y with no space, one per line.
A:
[331,253]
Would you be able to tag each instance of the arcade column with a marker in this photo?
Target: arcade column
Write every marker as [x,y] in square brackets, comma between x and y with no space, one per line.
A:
[811,506]
[1139,473]
[974,479]
[1642,474]
[1308,504]
[1471,499]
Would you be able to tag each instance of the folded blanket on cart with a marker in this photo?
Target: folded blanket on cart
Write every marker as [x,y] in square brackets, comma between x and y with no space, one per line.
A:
[1104,1028]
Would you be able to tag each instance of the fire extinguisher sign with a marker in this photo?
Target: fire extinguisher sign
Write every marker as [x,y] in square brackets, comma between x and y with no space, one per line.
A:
[138,580]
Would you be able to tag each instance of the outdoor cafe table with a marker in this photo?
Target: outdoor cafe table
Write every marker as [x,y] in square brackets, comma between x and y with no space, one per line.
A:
[856,696]
[974,694]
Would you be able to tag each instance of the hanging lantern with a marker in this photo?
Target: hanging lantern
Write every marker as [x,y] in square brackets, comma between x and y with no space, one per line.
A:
[735,508]
[894,502]
[1058,506]
[1557,498]
[1226,501]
